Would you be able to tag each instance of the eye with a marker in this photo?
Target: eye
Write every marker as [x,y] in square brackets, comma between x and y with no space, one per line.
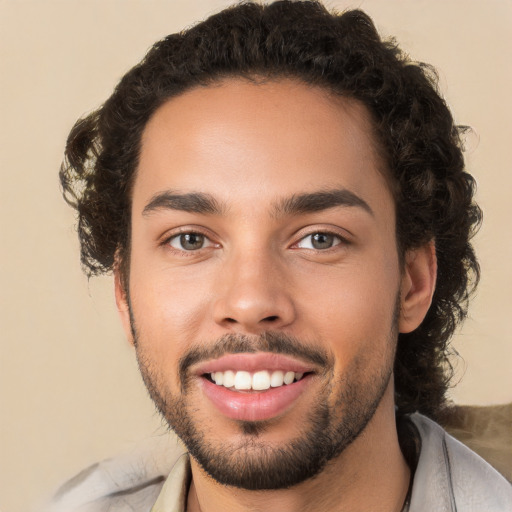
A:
[319,241]
[189,241]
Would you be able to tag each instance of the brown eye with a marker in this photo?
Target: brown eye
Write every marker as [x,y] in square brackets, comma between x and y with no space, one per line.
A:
[319,241]
[188,241]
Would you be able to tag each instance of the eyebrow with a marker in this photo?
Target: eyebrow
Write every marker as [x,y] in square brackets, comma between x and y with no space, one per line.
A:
[319,201]
[193,202]
[297,204]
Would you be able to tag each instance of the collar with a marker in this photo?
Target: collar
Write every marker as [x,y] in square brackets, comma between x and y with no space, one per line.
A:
[173,496]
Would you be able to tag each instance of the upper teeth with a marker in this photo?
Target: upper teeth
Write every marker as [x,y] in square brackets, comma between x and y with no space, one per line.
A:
[257,381]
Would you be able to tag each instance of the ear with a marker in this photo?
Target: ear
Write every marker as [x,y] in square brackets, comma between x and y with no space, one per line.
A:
[123,307]
[417,287]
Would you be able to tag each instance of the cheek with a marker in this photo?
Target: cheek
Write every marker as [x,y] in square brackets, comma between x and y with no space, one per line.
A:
[352,310]
[169,313]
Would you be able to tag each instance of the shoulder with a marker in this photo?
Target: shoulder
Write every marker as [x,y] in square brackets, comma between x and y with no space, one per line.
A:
[128,482]
[451,477]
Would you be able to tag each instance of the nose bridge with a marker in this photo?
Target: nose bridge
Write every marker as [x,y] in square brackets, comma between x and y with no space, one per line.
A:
[253,295]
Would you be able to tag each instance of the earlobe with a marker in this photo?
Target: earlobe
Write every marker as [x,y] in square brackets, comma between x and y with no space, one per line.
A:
[418,285]
[123,307]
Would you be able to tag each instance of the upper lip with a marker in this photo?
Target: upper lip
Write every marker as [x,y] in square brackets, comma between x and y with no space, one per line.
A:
[253,362]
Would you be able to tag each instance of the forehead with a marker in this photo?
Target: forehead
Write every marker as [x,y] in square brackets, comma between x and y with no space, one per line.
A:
[241,142]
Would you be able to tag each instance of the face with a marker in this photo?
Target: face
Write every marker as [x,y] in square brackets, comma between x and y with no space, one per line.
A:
[264,287]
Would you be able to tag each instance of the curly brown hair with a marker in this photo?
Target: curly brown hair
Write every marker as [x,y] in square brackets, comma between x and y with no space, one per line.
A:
[343,53]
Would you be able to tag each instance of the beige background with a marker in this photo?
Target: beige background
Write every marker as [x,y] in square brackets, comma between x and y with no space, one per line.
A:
[69,388]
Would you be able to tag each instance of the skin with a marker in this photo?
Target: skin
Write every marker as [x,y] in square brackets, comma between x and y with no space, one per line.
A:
[250,147]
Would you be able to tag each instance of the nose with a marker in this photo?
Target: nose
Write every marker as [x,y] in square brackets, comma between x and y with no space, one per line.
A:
[253,296]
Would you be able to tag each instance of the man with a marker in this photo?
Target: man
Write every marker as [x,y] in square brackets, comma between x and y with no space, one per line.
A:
[281,197]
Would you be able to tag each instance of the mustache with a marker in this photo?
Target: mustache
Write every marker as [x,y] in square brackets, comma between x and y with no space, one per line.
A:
[269,341]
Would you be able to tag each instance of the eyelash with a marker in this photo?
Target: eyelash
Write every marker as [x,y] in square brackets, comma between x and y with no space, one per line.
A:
[341,240]
[167,241]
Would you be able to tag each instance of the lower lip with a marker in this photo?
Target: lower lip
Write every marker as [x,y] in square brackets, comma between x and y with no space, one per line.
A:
[254,405]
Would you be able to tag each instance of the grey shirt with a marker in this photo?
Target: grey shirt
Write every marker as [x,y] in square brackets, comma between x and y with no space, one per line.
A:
[449,477]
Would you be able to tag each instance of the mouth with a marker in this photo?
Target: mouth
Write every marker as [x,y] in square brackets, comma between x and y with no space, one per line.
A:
[257,381]
[255,386]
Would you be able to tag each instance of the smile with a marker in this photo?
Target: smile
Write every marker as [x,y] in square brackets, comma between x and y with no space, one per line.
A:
[258,381]
[254,386]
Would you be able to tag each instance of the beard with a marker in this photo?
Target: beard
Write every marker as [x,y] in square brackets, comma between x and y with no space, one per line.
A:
[250,462]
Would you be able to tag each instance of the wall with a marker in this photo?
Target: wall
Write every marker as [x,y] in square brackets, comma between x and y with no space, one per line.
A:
[70,393]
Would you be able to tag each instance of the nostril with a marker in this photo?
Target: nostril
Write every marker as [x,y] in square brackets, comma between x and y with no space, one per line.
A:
[252,322]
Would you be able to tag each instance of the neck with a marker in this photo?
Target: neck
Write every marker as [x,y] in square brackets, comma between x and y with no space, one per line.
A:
[370,474]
